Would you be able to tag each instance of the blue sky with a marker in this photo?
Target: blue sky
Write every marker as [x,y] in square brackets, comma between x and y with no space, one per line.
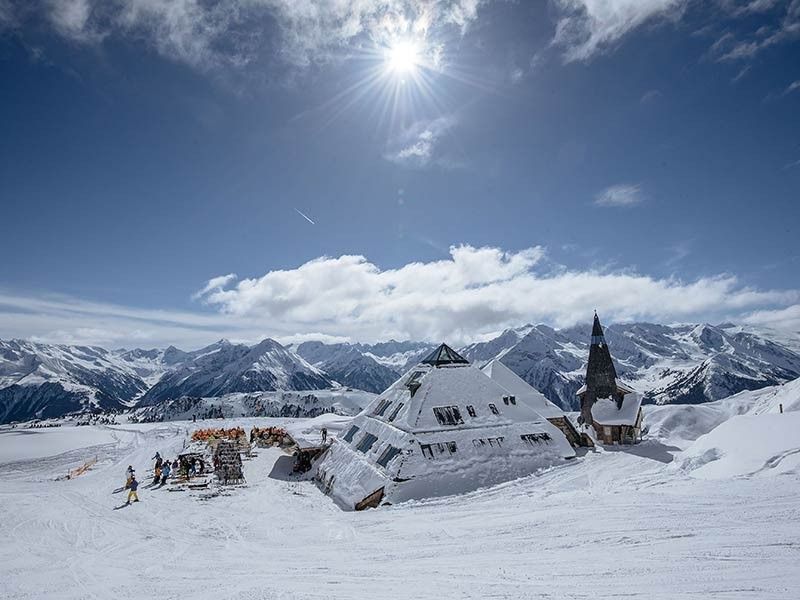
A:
[536,160]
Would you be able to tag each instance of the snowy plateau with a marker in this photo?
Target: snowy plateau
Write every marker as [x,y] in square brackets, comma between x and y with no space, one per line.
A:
[705,507]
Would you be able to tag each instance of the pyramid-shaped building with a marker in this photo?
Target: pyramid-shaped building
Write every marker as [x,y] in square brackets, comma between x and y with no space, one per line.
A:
[533,398]
[445,427]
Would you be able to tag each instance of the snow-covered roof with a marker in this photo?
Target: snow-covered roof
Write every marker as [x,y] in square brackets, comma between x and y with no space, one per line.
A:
[460,385]
[439,430]
[606,412]
[524,392]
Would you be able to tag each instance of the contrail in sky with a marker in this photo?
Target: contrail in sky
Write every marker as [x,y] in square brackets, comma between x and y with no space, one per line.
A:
[305,216]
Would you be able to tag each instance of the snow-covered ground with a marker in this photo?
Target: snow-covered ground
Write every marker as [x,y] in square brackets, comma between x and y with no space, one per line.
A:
[649,521]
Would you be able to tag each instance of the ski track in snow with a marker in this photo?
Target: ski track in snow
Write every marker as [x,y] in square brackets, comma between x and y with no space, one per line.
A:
[611,524]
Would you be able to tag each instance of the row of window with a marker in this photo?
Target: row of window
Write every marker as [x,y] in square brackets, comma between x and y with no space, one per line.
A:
[451,415]
[383,405]
[366,443]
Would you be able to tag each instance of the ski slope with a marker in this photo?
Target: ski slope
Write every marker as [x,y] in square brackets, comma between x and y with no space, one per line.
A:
[613,523]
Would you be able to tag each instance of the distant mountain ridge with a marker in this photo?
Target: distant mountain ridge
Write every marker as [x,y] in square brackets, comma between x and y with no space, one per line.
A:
[669,364]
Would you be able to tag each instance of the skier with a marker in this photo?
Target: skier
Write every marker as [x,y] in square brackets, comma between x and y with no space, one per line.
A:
[165,472]
[324,434]
[134,485]
[158,460]
[129,474]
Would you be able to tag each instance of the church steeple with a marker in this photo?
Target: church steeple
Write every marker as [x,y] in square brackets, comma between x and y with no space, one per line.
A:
[597,331]
[601,376]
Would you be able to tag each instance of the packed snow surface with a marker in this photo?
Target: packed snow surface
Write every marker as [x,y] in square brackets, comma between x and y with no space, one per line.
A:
[620,522]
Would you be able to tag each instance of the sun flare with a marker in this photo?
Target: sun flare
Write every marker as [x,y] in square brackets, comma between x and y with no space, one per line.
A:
[402,57]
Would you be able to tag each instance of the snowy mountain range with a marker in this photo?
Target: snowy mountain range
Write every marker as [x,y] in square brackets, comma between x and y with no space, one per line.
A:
[669,364]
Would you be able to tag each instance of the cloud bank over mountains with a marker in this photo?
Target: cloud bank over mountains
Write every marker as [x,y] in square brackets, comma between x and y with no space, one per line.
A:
[473,293]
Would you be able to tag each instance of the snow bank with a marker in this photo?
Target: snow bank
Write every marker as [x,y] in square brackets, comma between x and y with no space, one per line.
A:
[681,424]
[27,444]
[746,446]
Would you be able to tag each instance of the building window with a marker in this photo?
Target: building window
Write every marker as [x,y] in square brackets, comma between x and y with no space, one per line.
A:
[494,410]
[381,408]
[388,455]
[495,442]
[348,437]
[427,451]
[513,400]
[451,446]
[366,442]
[505,400]
[535,438]
[396,410]
[448,415]
[414,382]
[471,410]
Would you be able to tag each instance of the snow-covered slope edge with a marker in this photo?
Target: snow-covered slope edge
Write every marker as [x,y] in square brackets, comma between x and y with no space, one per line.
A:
[263,404]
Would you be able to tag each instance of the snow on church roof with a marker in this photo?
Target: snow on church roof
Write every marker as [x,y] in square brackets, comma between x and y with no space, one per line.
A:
[605,411]
[501,374]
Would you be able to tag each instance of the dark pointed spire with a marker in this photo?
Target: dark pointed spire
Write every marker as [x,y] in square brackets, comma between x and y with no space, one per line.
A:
[597,331]
[444,355]
[600,372]
[601,376]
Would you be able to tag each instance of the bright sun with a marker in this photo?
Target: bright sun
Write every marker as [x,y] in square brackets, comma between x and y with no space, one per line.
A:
[402,57]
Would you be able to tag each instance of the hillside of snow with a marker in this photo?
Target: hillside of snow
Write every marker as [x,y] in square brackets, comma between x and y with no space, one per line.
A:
[711,518]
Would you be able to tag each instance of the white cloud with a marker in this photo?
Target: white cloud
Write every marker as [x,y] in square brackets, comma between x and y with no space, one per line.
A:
[7,14]
[650,96]
[795,85]
[227,33]
[472,293]
[71,18]
[475,291]
[784,318]
[623,194]
[587,27]
[418,145]
[215,283]
[730,47]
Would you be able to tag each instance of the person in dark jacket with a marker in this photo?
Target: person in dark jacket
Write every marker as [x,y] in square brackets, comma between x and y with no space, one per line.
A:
[134,485]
